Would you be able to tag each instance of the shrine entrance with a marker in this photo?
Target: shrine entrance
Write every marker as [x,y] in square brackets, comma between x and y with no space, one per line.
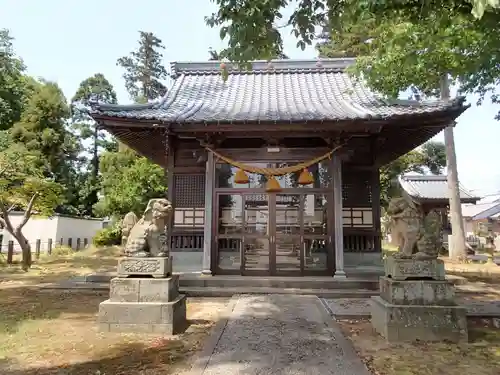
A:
[273,234]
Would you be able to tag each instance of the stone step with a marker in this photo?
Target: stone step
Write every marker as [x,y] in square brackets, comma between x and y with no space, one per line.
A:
[323,293]
[193,291]
[325,283]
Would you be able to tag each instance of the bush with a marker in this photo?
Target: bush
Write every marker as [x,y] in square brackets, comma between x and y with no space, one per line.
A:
[109,236]
[61,250]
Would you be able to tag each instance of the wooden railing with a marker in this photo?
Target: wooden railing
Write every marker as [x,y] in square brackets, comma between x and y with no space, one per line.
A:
[356,240]
[187,241]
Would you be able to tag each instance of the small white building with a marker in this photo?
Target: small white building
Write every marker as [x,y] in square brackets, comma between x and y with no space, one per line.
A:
[57,229]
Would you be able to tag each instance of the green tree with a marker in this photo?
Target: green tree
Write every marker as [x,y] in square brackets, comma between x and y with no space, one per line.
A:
[128,183]
[99,90]
[24,186]
[12,84]
[144,70]
[43,130]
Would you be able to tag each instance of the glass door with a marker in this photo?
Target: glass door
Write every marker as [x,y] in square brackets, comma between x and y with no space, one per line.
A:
[317,245]
[287,240]
[256,252]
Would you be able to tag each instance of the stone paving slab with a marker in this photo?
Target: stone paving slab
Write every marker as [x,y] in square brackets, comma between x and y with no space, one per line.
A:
[278,335]
[360,307]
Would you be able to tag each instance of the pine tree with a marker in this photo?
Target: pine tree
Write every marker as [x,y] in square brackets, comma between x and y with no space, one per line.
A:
[93,89]
[144,70]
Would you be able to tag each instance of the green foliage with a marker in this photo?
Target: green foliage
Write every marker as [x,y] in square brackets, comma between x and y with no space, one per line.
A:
[43,130]
[144,70]
[95,89]
[22,180]
[12,82]
[128,182]
[109,236]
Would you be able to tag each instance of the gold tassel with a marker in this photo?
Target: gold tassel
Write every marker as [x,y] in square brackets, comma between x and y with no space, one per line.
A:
[305,177]
[272,184]
[240,177]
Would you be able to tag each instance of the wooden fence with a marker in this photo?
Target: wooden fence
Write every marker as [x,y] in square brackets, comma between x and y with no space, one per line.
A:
[80,243]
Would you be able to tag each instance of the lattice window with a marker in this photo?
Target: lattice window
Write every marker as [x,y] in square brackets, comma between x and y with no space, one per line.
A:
[357,217]
[356,188]
[189,190]
[189,218]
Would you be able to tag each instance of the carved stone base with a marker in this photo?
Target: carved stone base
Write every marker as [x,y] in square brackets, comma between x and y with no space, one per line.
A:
[143,317]
[150,266]
[417,292]
[400,323]
[404,269]
[144,289]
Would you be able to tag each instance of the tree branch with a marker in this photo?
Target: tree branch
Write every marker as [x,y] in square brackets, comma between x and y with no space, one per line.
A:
[27,213]
[5,219]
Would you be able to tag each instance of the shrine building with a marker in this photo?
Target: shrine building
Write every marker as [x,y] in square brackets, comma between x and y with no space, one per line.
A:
[275,171]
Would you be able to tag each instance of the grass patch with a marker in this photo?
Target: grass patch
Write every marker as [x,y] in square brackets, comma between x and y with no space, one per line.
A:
[481,356]
[63,264]
[55,332]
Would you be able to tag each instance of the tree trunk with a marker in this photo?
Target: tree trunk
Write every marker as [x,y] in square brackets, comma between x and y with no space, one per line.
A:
[457,247]
[25,248]
[95,156]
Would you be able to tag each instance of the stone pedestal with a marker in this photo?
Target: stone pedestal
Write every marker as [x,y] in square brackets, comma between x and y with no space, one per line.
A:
[417,303]
[145,305]
[151,266]
[405,269]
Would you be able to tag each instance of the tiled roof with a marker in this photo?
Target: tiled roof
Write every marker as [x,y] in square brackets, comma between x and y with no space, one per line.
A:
[432,188]
[280,90]
[481,210]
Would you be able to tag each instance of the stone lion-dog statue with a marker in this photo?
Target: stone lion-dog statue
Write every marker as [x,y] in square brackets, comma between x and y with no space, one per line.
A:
[406,222]
[148,236]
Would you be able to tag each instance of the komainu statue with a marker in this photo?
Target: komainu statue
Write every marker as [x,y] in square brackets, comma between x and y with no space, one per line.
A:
[406,222]
[148,238]
[416,234]
[128,223]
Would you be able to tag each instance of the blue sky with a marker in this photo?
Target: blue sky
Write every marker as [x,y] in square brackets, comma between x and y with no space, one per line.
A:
[68,41]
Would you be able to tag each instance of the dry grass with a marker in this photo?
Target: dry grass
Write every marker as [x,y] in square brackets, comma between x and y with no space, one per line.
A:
[479,357]
[62,265]
[485,272]
[54,332]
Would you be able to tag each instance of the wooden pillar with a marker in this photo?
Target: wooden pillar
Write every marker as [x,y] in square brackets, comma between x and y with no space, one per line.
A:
[49,246]
[337,217]
[376,209]
[38,246]
[169,176]
[207,233]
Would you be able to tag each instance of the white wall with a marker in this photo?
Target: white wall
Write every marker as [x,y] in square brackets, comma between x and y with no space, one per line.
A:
[74,228]
[54,228]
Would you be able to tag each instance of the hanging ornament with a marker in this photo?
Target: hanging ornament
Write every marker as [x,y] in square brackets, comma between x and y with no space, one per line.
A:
[241,177]
[305,177]
[272,184]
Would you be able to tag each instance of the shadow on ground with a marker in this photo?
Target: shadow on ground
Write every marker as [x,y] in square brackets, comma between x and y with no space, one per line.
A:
[131,358]
[21,304]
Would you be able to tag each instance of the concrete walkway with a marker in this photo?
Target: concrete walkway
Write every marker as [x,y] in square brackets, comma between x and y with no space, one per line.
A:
[277,334]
